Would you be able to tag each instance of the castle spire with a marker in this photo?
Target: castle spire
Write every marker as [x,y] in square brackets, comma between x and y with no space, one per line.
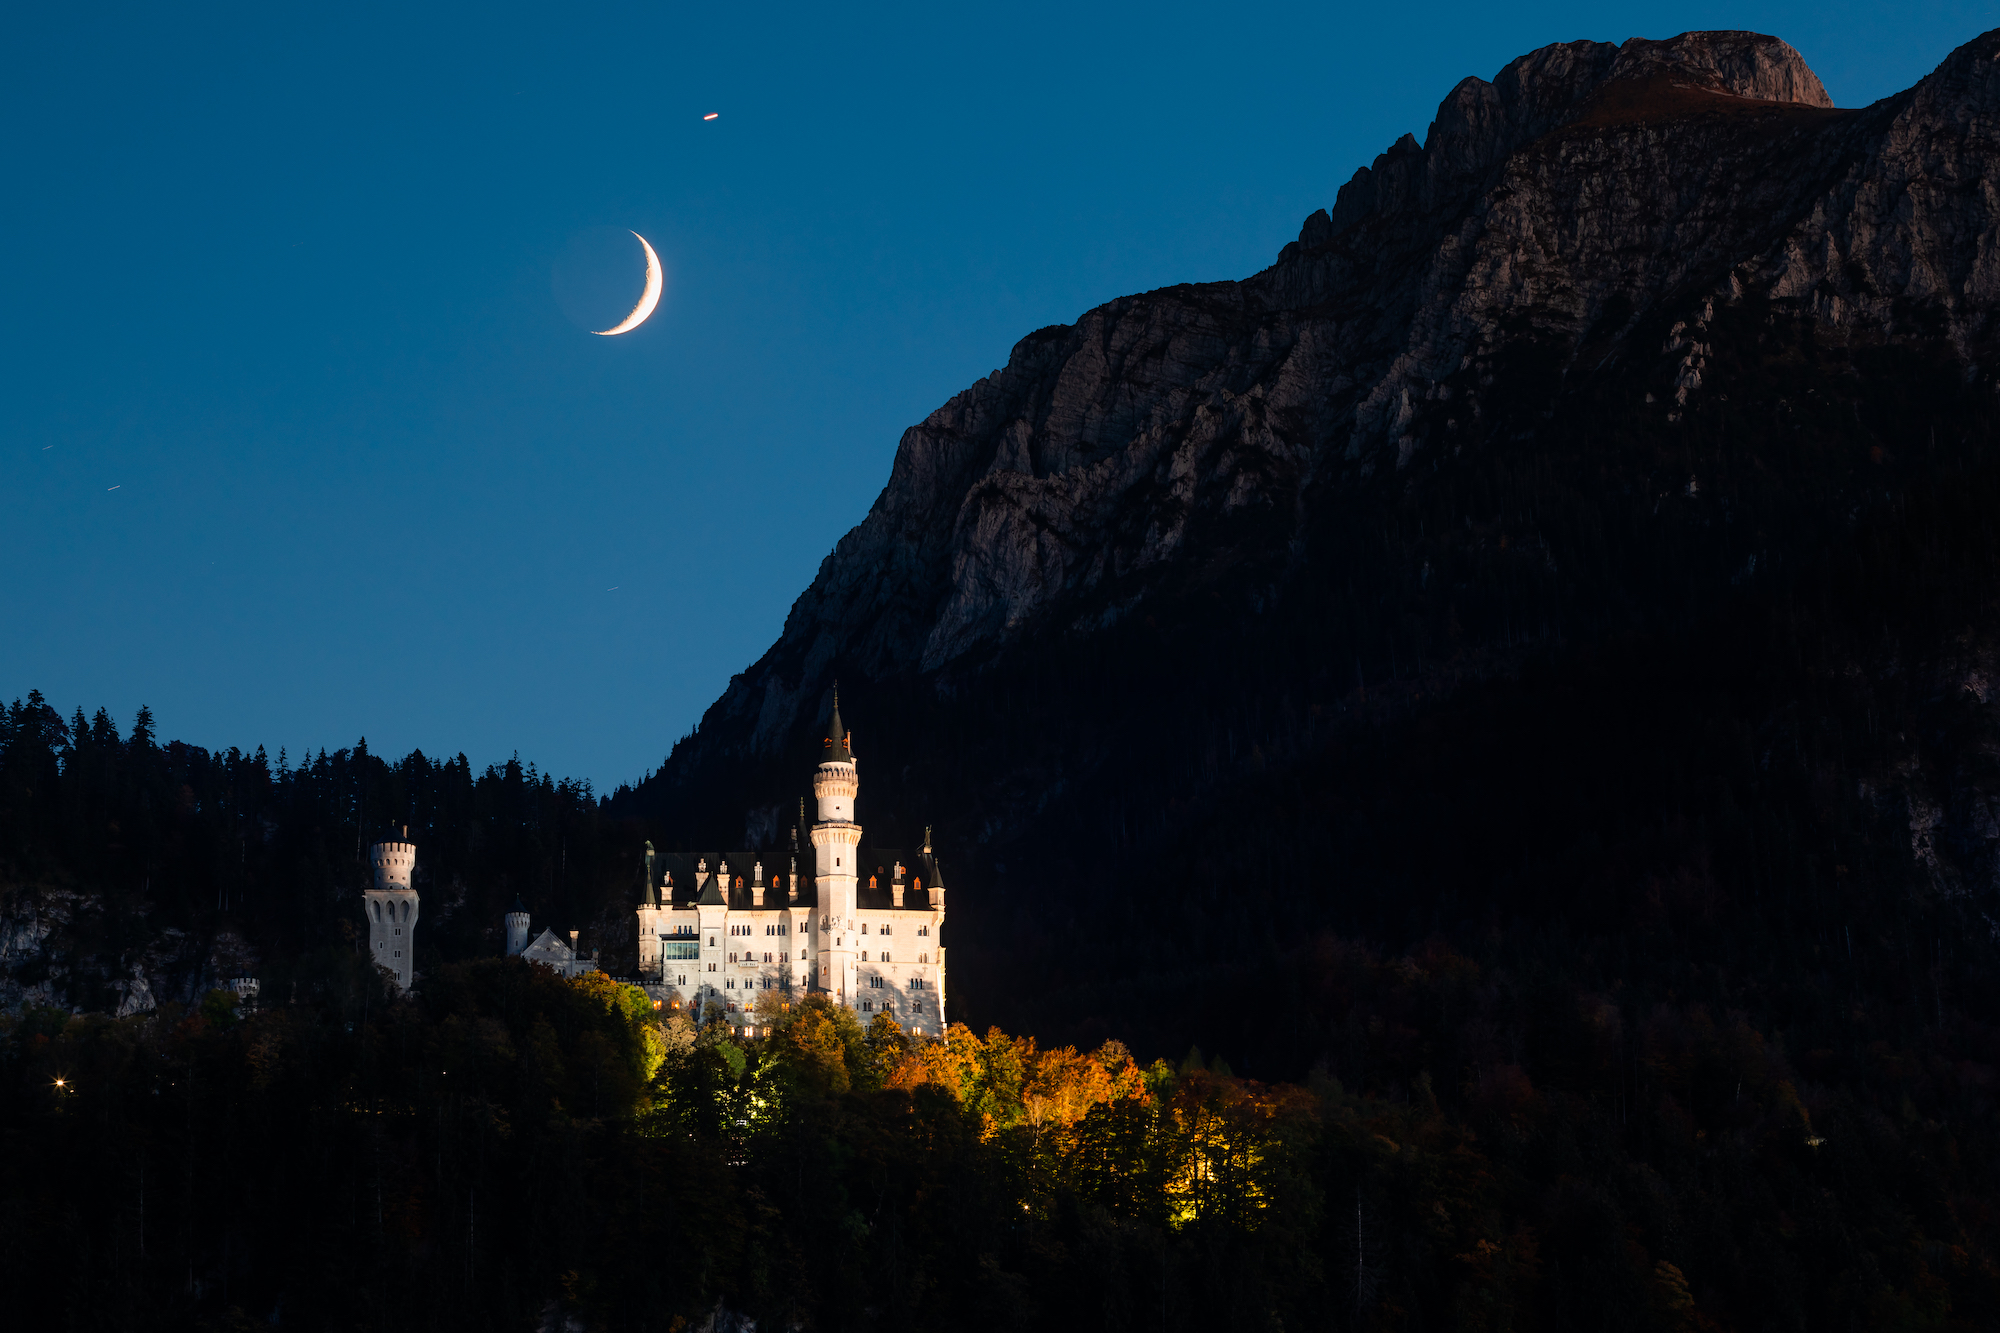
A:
[838,750]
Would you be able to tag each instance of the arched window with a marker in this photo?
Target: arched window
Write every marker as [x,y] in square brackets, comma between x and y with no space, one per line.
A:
[871,881]
[378,910]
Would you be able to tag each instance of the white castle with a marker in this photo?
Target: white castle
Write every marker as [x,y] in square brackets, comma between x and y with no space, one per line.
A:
[390,906]
[864,929]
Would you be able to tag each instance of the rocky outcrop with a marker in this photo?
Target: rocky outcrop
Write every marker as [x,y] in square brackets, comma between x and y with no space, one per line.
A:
[1578,218]
[52,957]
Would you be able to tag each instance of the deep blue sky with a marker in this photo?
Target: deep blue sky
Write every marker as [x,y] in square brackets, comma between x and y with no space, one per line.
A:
[299,281]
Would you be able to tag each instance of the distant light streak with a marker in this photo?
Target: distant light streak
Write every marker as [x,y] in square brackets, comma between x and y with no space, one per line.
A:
[711,115]
[111,488]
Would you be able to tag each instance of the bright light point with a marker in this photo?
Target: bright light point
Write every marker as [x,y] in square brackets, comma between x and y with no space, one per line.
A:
[711,115]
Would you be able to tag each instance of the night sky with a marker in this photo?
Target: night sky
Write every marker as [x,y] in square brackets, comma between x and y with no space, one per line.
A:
[303,437]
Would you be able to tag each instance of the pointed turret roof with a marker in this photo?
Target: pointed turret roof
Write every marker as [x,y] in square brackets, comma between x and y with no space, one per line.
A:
[518,906]
[837,749]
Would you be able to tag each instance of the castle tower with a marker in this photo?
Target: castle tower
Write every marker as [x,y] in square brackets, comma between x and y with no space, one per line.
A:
[836,840]
[517,927]
[390,906]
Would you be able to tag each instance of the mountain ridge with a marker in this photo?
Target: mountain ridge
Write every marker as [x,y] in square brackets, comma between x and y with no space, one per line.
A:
[1015,491]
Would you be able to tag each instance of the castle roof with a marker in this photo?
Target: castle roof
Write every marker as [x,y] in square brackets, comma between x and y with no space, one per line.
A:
[549,948]
[695,884]
[837,749]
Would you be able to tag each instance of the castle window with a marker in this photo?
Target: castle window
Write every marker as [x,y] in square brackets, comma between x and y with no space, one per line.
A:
[729,984]
[399,953]
[767,958]
[875,983]
[864,955]
[885,955]
[867,1006]
[399,930]
[871,881]
[680,980]
[864,924]
[916,983]
[923,930]
[886,930]
[711,967]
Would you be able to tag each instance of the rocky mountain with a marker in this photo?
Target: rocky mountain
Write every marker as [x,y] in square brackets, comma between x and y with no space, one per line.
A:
[1641,353]
[1584,200]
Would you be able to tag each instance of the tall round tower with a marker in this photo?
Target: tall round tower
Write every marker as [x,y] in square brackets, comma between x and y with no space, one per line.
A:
[390,905]
[836,840]
[517,927]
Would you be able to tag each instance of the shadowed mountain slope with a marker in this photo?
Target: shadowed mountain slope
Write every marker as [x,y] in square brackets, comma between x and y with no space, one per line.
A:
[1600,452]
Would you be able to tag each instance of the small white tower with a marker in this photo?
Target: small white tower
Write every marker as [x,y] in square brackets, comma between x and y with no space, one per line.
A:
[390,907]
[836,840]
[517,926]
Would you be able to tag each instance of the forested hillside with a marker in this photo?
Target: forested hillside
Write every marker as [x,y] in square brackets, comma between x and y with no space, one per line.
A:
[513,1150]
[126,861]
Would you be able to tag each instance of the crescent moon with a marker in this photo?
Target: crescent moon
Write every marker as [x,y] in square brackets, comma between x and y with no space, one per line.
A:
[655,280]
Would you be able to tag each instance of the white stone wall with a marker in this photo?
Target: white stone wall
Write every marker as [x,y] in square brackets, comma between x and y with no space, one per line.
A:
[392,918]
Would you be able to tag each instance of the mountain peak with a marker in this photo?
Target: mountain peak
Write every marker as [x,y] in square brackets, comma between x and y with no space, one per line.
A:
[1744,64]
[1480,124]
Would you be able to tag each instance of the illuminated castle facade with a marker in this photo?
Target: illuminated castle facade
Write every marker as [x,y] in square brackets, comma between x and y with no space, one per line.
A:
[861,926]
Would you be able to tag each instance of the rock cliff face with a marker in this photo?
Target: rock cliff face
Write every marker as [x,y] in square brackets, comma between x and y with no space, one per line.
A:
[1594,204]
[1255,592]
